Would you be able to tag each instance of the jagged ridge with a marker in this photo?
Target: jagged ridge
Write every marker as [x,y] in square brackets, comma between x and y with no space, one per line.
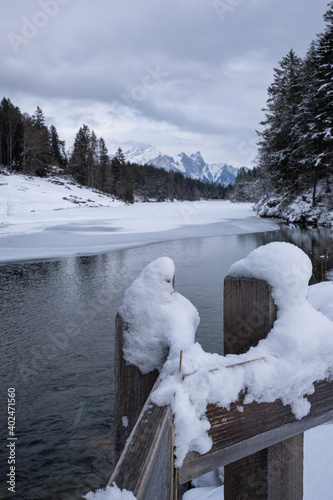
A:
[193,166]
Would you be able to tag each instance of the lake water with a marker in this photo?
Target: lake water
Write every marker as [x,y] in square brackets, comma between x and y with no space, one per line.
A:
[57,334]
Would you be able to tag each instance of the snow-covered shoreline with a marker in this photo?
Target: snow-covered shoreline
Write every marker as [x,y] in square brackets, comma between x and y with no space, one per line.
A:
[299,208]
[55,217]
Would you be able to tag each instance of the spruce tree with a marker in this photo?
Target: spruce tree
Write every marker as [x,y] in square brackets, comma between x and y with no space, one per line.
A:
[104,172]
[58,154]
[79,160]
[122,183]
[278,152]
[323,99]
[92,160]
[11,148]
[42,149]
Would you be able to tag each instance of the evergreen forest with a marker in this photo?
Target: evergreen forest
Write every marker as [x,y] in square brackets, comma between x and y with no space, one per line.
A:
[28,146]
[295,148]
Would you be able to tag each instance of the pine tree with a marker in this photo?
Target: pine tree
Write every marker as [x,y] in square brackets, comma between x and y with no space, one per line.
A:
[104,167]
[307,146]
[28,143]
[117,163]
[39,118]
[122,182]
[323,99]
[11,134]
[58,154]
[79,160]
[42,150]
[278,152]
[92,159]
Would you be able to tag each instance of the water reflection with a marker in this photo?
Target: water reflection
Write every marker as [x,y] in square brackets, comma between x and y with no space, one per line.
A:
[316,243]
[57,327]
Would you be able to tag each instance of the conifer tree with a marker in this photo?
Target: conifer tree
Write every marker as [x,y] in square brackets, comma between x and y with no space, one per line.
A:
[104,170]
[11,148]
[278,153]
[58,154]
[323,99]
[79,160]
[41,150]
[92,160]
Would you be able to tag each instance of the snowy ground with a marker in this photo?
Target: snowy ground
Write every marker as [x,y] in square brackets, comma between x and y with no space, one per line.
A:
[46,218]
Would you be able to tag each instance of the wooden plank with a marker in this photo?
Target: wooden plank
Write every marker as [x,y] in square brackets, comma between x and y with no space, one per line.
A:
[236,435]
[131,390]
[249,315]
[284,482]
[145,463]
[279,483]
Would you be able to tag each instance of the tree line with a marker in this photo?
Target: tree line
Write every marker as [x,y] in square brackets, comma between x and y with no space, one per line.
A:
[295,148]
[27,145]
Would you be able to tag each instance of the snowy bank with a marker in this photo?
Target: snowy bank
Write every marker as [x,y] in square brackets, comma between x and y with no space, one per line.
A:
[55,217]
[299,208]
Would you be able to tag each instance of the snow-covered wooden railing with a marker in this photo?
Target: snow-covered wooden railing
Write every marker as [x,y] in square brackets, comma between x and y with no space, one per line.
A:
[260,444]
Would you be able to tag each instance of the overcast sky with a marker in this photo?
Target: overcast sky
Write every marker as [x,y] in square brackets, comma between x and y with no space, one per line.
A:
[182,75]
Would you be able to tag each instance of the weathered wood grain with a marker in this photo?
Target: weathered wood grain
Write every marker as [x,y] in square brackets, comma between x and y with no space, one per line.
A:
[145,465]
[261,446]
[131,390]
[236,435]
[249,315]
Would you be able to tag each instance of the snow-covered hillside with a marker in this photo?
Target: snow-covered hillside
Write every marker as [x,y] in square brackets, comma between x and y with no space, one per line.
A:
[56,217]
[193,166]
[23,193]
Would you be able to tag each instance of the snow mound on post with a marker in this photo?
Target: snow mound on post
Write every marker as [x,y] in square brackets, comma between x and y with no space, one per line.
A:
[284,266]
[300,332]
[297,352]
[159,320]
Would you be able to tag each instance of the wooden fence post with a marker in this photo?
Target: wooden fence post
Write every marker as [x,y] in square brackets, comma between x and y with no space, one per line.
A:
[275,472]
[131,390]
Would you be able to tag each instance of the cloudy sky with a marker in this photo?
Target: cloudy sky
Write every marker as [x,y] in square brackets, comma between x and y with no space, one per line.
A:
[182,75]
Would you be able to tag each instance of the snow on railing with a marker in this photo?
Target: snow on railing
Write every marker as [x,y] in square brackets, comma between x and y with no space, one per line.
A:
[263,391]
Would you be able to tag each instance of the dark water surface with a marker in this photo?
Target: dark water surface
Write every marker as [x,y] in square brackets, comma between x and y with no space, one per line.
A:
[57,334]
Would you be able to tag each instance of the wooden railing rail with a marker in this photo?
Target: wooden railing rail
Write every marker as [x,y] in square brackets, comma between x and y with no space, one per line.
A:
[261,447]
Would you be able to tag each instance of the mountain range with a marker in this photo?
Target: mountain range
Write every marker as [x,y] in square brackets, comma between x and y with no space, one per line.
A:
[193,166]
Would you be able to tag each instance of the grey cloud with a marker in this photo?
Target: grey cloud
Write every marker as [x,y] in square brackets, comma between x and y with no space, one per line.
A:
[99,54]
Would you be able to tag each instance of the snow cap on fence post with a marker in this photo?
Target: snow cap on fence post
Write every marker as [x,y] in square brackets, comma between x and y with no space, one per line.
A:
[160,321]
[284,266]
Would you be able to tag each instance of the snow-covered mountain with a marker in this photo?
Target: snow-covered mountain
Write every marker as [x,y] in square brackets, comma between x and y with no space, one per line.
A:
[193,166]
